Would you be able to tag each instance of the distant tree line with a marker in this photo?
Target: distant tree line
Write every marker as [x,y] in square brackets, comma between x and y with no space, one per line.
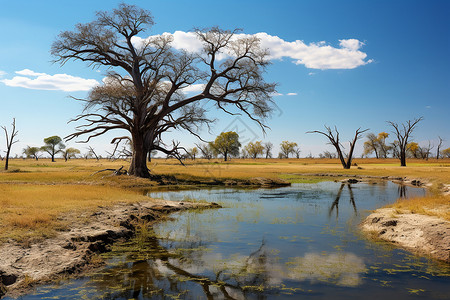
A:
[227,146]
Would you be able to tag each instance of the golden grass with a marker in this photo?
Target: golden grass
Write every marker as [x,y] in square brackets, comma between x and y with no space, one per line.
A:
[79,170]
[35,193]
[437,205]
[32,211]
[432,170]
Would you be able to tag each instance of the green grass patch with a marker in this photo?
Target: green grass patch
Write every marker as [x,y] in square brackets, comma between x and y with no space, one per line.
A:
[292,178]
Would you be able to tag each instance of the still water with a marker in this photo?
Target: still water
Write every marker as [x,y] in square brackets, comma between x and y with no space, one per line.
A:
[298,242]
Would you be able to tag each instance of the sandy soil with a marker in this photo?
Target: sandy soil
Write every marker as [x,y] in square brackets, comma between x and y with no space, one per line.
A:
[421,234]
[72,252]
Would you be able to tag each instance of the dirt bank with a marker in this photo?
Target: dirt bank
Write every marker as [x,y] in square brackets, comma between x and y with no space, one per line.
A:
[421,234]
[74,251]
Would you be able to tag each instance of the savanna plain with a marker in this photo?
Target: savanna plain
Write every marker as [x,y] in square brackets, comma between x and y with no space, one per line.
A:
[36,194]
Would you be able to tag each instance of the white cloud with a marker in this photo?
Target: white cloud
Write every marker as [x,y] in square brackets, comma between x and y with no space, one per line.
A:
[318,55]
[351,44]
[194,88]
[2,73]
[276,94]
[43,81]
[291,94]
[28,72]
[311,73]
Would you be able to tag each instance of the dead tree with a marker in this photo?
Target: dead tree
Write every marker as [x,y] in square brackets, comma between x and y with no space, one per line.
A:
[206,150]
[268,149]
[92,153]
[115,172]
[439,147]
[426,151]
[144,93]
[111,154]
[403,133]
[10,140]
[333,137]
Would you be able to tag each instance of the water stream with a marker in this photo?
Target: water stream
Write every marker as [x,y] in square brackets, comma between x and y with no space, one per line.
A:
[295,242]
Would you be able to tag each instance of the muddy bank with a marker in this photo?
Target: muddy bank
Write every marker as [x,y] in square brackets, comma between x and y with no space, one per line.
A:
[75,251]
[169,181]
[421,234]
[417,182]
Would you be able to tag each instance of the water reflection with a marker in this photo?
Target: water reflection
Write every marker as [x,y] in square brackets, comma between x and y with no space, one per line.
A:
[263,244]
[166,271]
[335,204]
[402,191]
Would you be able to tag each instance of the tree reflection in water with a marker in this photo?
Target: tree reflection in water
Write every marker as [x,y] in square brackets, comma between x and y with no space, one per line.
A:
[335,204]
[402,191]
[149,270]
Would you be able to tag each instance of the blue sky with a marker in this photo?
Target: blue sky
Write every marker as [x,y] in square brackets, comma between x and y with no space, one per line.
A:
[405,71]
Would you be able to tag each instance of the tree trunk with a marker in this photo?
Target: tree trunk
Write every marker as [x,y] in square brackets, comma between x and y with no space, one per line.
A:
[7,159]
[225,155]
[403,159]
[341,156]
[138,166]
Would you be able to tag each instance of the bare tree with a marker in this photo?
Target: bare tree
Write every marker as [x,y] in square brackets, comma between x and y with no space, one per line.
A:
[395,147]
[91,152]
[193,152]
[327,154]
[403,133]
[268,149]
[438,153]
[425,151]
[144,93]
[334,140]
[10,140]
[206,150]
[111,155]
[297,152]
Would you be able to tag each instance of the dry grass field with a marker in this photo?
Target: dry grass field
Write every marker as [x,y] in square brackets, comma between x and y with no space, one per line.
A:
[35,194]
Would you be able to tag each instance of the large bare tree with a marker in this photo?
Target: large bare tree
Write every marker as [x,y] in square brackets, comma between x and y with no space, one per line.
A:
[403,133]
[10,140]
[143,93]
[333,137]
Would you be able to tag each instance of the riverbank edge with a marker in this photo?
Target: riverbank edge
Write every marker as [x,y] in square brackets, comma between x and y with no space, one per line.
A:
[420,234]
[74,252]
